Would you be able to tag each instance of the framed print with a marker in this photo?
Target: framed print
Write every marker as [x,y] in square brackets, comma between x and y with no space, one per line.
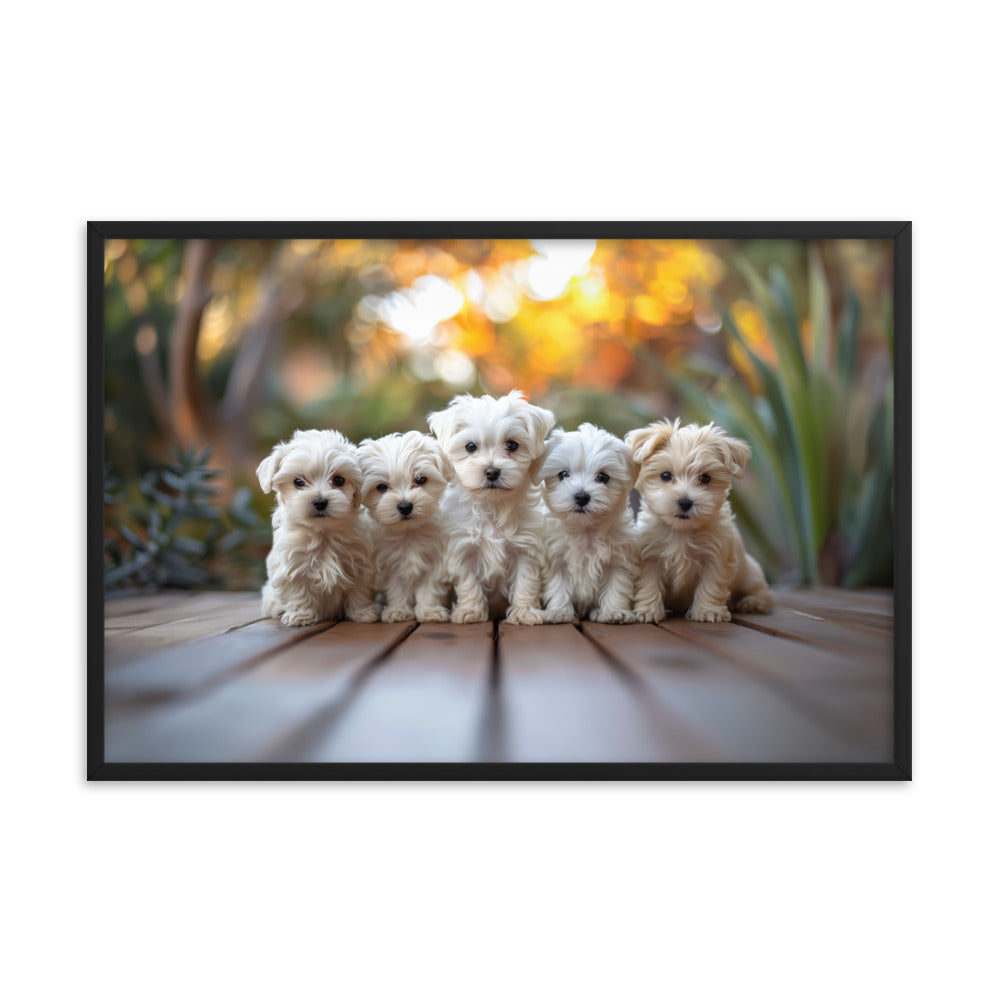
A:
[499,500]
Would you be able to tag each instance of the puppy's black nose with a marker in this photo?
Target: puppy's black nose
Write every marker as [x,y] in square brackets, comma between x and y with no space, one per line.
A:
[320,503]
[492,474]
[405,508]
[582,498]
[685,504]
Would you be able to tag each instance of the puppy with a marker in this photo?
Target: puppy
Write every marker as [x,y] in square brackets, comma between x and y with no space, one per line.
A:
[586,477]
[495,544]
[403,478]
[691,555]
[320,563]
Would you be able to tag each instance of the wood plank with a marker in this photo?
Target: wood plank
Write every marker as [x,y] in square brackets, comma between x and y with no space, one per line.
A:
[267,712]
[848,608]
[786,658]
[561,700]
[737,715]
[186,670]
[427,701]
[170,610]
[874,600]
[122,646]
[120,606]
[874,645]
[192,679]
[852,694]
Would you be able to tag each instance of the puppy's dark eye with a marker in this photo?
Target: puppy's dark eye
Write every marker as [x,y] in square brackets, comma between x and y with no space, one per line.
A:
[563,474]
[420,480]
[512,446]
[337,480]
[666,476]
[471,446]
[704,479]
[602,477]
[299,483]
[382,487]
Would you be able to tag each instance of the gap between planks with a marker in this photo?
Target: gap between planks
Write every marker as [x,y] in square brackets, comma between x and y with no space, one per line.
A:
[486,704]
[258,706]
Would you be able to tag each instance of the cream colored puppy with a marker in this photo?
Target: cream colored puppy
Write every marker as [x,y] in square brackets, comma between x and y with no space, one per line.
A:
[495,544]
[404,476]
[320,563]
[586,478]
[692,558]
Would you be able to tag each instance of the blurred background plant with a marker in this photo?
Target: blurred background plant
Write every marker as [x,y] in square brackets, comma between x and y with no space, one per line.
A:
[818,420]
[175,534]
[234,344]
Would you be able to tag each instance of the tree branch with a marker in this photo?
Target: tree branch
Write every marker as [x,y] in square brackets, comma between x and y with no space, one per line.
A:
[191,416]
[156,389]
[280,295]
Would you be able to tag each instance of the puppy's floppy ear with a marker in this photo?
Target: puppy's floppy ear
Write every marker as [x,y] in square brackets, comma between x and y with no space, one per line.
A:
[444,423]
[268,469]
[643,441]
[735,455]
[435,451]
[353,473]
[436,421]
[631,469]
[540,422]
[364,454]
[542,467]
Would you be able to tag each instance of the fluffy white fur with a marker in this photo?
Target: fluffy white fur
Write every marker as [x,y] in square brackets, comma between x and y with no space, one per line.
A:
[692,558]
[586,477]
[403,479]
[320,565]
[495,539]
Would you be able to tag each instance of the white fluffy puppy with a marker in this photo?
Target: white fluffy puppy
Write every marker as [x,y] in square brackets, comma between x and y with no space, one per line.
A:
[495,545]
[692,558]
[404,476]
[320,565]
[586,477]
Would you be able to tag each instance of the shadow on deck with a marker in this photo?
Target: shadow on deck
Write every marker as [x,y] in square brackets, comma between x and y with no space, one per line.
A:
[202,678]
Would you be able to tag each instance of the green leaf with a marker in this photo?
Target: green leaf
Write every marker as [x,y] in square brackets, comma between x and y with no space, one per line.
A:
[175,481]
[136,541]
[189,546]
[847,337]
[789,337]
[819,310]
[231,540]
[789,438]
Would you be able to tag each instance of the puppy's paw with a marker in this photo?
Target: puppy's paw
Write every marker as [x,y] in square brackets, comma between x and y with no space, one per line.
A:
[397,615]
[613,616]
[709,613]
[650,615]
[756,604]
[295,619]
[466,616]
[369,613]
[559,616]
[432,613]
[525,616]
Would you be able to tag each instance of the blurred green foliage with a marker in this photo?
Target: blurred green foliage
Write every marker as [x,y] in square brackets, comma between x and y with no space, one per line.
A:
[129,418]
[820,421]
[175,533]
[785,343]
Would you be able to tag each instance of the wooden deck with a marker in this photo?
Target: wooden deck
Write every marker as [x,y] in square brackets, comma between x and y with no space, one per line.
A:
[202,678]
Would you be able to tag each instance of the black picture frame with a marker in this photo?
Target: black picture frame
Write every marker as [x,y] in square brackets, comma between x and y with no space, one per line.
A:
[900,768]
